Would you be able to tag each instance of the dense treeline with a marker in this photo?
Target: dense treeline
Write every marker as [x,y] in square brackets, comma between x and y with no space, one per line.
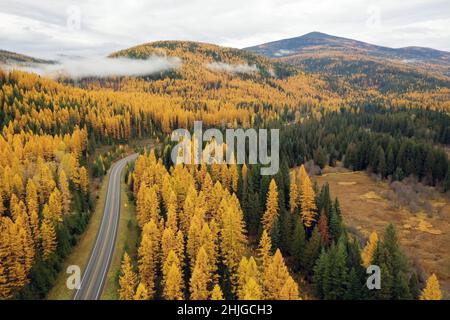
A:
[194,241]
[44,201]
[363,73]
[49,129]
[222,231]
[388,143]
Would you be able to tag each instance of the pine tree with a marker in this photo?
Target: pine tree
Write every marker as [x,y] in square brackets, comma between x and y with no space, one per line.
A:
[335,225]
[320,270]
[446,183]
[298,246]
[432,290]
[200,279]
[312,251]
[414,286]
[369,249]
[336,272]
[401,288]
[272,209]
[127,279]
[307,200]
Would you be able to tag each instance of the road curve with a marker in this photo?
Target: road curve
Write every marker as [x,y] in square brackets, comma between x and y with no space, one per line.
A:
[94,275]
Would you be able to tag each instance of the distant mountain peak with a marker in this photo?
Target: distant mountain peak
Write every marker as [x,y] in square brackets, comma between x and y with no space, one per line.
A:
[319,43]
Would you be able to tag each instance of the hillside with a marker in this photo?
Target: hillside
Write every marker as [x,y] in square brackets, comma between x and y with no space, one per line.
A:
[363,65]
[53,129]
[8,57]
[320,42]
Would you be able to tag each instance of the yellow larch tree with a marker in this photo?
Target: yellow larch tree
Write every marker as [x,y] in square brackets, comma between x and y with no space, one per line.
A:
[232,238]
[188,210]
[141,293]
[84,180]
[127,279]
[208,239]
[63,185]
[172,258]
[369,249]
[275,277]
[46,182]
[247,270]
[55,206]
[194,239]
[225,176]
[33,208]
[293,194]
[180,248]
[244,174]
[172,213]
[4,286]
[2,206]
[272,209]
[307,199]
[216,293]
[152,230]
[265,250]
[201,277]
[173,282]
[48,233]
[26,240]
[252,290]
[168,242]
[234,178]
[289,290]
[432,290]
[147,264]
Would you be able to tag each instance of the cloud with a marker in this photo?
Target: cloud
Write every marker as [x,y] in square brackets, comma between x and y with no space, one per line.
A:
[283,52]
[76,67]
[232,68]
[45,27]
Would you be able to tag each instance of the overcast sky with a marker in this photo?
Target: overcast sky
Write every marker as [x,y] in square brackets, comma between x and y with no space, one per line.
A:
[47,28]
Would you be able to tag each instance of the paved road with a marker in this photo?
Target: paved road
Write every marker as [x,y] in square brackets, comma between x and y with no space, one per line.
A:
[94,275]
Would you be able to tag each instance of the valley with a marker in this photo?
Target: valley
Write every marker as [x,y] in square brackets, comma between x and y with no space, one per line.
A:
[224,231]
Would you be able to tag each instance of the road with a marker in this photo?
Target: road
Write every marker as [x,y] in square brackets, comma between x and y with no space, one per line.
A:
[95,273]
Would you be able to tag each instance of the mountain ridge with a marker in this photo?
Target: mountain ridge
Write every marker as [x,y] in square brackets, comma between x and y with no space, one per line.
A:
[319,38]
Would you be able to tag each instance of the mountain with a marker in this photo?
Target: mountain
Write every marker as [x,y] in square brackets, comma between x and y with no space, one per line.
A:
[362,65]
[200,58]
[8,57]
[317,42]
